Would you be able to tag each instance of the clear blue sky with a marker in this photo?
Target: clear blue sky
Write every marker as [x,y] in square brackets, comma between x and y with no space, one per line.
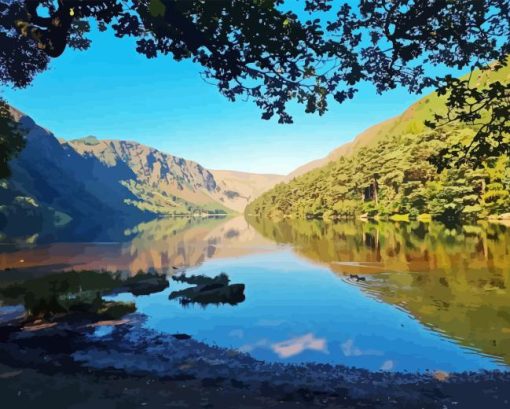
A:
[112,92]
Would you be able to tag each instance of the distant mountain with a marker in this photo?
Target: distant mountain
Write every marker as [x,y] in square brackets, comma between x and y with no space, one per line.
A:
[53,187]
[97,188]
[168,184]
[240,188]
[161,183]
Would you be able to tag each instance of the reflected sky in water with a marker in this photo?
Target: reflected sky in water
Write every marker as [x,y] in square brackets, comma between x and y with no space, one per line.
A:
[431,298]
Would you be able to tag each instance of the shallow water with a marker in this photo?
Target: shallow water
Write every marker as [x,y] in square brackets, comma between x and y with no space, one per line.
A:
[397,297]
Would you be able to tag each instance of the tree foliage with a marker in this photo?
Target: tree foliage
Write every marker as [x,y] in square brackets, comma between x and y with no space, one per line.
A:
[486,109]
[395,177]
[277,51]
[11,139]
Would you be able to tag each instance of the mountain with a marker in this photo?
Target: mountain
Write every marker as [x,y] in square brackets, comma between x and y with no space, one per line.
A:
[410,121]
[365,138]
[385,172]
[53,187]
[96,188]
[161,183]
[169,184]
[240,188]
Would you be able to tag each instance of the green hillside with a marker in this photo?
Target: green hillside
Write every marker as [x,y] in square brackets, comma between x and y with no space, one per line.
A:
[412,120]
[385,172]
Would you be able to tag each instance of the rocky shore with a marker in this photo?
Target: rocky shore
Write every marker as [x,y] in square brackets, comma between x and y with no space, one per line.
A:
[84,363]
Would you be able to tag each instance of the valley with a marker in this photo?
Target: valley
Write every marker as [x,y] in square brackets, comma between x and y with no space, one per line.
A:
[385,172]
[97,188]
[255,204]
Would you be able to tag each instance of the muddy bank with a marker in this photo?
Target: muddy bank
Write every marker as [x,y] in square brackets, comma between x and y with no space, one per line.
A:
[110,363]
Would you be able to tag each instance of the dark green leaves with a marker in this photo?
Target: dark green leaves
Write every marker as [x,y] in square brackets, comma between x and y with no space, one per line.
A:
[11,139]
[485,108]
[268,52]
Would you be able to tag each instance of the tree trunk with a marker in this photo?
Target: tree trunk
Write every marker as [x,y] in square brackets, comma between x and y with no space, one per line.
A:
[376,198]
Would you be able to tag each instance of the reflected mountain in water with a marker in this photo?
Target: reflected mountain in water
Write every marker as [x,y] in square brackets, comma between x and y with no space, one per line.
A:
[366,248]
[453,280]
[163,245]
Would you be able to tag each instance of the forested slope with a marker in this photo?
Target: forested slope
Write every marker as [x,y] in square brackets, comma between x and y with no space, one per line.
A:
[385,172]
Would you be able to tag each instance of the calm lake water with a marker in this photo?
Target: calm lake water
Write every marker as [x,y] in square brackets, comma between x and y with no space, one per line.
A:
[381,296]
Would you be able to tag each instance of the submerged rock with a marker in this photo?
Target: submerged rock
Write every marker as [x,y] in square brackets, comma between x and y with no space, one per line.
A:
[145,284]
[209,290]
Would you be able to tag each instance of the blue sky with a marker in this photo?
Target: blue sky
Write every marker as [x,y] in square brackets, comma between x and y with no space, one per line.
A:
[112,92]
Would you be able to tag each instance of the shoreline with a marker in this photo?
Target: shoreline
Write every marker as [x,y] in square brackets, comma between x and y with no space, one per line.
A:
[124,352]
[503,218]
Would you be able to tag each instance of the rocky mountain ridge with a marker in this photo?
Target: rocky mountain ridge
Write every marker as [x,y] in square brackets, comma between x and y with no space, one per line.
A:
[110,184]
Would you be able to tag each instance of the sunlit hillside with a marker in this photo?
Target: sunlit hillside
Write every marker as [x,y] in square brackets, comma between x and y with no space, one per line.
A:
[386,172]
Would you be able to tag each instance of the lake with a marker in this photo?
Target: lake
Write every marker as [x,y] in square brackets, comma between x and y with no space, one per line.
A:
[381,296]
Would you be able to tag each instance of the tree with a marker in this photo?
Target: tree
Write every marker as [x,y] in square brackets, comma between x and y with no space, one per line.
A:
[396,167]
[486,109]
[11,139]
[260,50]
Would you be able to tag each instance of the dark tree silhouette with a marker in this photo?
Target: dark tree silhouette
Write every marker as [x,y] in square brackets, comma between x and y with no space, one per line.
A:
[260,50]
[20,57]
[487,110]
[11,139]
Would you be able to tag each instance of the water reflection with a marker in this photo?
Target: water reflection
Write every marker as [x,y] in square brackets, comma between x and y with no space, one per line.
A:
[453,280]
[446,284]
[163,245]
[296,346]
[366,248]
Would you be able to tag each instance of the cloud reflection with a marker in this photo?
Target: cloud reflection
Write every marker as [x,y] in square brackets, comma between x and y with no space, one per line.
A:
[387,365]
[349,349]
[296,346]
[250,347]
